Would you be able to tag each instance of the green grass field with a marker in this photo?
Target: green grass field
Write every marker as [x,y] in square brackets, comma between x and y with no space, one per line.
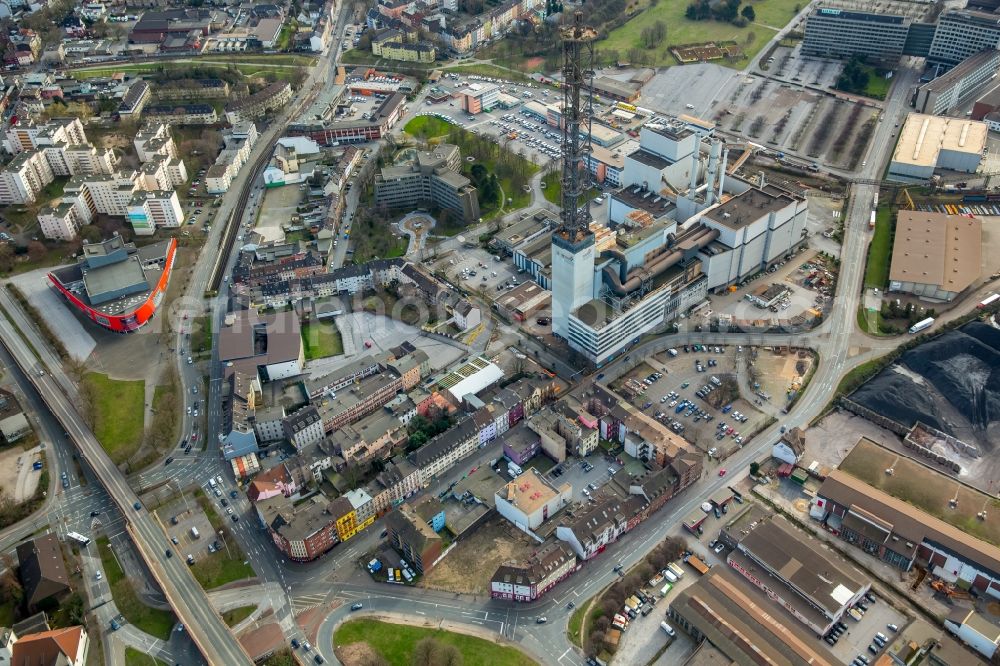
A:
[237,615]
[321,339]
[878,85]
[553,188]
[427,127]
[155,622]
[214,570]
[772,15]
[135,658]
[118,414]
[880,250]
[395,643]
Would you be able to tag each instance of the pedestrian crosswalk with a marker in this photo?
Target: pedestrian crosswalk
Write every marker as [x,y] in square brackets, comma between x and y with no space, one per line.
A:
[306,602]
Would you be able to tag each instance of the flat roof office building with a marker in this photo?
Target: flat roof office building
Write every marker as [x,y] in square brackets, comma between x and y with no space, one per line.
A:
[961,34]
[837,33]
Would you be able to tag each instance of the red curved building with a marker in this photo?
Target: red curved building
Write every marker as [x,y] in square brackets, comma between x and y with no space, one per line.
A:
[116,284]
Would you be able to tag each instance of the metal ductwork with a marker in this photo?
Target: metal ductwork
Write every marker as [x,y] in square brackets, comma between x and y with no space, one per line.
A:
[697,237]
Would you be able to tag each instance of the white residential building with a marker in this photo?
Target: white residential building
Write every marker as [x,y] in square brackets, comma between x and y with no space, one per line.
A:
[150,210]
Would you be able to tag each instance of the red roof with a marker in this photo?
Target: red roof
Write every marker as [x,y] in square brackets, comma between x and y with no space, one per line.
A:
[44,648]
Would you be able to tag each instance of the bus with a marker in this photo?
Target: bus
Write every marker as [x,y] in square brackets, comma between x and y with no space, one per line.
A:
[921,325]
[871,221]
[988,301]
[79,538]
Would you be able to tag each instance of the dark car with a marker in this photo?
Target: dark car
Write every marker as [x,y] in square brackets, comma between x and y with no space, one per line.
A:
[295,643]
[232,493]
[169,553]
[137,506]
[187,449]
[318,659]
[94,513]
[235,518]
[168,461]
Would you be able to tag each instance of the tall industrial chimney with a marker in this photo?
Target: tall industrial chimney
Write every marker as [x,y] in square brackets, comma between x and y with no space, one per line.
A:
[713,165]
[722,171]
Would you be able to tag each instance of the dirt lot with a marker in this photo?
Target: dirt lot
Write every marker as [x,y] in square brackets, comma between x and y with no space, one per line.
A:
[468,567]
[780,372]
[17,478]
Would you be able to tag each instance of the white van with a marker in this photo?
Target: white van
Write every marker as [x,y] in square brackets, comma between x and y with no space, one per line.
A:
[667,628]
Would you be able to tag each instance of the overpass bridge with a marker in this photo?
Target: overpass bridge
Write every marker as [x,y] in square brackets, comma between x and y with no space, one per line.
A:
[185,595]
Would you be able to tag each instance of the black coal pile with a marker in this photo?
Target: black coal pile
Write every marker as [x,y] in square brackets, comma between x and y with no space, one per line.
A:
[951,383]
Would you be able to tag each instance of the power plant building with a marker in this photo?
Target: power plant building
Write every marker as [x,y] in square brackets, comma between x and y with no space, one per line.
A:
[678,232]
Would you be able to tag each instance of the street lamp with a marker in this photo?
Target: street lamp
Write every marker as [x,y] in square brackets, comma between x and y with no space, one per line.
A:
[222,535]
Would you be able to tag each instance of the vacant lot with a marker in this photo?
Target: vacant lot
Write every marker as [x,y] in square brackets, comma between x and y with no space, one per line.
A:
[394,642]
[153,621]
[117,408]
[468,567]
[321,339]
[925,489]
[772,15]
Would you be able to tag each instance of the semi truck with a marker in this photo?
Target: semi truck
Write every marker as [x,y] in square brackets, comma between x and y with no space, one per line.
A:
[921,325]
[695,563]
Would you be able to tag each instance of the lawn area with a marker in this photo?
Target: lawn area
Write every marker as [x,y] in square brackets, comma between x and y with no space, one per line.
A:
[321,339]
[201,335]
[772,15]
[878,85]
[135,658]
[880,250]
[395,643]
[118,408]
[153,621]
[925,489]
[237,615]
[427,127]
[214,570]
[553,188]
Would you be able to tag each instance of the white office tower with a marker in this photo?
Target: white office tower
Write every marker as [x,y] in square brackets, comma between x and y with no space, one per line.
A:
[572,277]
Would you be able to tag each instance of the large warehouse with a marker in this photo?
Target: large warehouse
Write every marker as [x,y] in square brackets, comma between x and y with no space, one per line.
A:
[116,284]
[928,142]
[935,256]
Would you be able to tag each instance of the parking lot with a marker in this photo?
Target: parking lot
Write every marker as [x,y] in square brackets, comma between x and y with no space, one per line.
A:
[859,635]
[539,142]
[588,474]
[474,268]
[714,419]
[178,519]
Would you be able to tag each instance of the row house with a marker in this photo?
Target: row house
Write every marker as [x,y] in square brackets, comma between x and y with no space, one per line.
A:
[551,564]
[358,400]
[398,480]
[589,530]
